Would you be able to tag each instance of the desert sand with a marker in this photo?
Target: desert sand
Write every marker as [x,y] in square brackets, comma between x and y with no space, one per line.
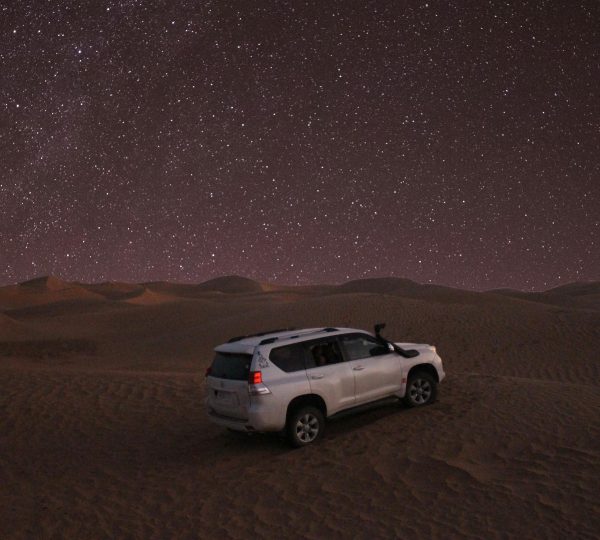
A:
[103,432]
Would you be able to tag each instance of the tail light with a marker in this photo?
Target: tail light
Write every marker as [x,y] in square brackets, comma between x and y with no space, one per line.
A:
[255,384]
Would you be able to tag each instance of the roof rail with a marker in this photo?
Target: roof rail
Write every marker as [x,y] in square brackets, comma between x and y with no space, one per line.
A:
[268,340]
[273,339]
[239,338]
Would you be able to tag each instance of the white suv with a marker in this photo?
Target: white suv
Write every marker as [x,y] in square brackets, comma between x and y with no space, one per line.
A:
[291,380]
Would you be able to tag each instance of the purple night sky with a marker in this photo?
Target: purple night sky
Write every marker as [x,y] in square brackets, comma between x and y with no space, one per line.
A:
[453,142]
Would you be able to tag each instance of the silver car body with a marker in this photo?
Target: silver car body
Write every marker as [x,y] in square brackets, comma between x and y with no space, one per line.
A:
[243,406]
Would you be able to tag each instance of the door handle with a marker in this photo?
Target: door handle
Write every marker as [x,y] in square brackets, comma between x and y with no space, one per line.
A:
[317,376]
[358,368]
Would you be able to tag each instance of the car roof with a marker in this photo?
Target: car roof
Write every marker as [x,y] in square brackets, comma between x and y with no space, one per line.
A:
[247,344]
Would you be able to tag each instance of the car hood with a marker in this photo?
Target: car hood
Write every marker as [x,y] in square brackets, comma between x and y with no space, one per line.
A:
[421,347]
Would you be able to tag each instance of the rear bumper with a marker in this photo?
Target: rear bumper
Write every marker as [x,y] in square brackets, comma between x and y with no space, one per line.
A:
[237,424]
[261,417]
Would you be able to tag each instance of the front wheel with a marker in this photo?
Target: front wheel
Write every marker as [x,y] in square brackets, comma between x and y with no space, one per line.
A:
[421,389]
[305,426]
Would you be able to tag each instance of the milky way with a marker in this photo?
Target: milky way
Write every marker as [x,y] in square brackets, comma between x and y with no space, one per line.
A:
[301,142]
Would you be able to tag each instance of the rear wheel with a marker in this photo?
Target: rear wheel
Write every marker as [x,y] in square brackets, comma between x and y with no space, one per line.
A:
[421,389]
[305,426]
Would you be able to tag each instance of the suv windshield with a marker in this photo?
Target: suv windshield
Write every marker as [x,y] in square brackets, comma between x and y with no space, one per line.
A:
[362,346]
[231,366]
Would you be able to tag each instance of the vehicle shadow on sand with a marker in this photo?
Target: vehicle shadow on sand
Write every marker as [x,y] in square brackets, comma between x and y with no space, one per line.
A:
[196,443]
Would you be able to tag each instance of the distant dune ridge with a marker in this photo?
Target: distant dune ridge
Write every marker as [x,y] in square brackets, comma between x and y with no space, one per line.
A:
[49,289]
[44,290]
[576,295]
[103,432]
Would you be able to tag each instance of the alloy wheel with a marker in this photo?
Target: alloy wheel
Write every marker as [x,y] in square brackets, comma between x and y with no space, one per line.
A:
[420,391]
[307,428]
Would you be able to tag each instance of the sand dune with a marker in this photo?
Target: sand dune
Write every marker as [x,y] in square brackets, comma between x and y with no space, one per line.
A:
[113,290]
[147,298]
[43,291]
[46,283]
[380,286]
[573,295]
[231,285]
[11,329]
[225,284]
[103,432]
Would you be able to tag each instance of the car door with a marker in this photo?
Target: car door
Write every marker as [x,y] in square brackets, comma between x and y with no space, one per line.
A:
[377,370]
[329,375]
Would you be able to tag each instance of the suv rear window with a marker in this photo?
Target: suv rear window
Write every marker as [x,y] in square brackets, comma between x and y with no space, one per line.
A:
[288,358]
[231,366]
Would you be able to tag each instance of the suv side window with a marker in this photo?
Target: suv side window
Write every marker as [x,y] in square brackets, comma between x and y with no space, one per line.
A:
[288,358]
[323,353]
[362,346]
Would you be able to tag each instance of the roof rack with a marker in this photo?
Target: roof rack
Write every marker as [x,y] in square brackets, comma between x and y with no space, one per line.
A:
[268,340]
[273,339]
[239,338]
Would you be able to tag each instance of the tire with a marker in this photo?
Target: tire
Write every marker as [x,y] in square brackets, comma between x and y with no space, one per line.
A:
[304,426]
[421,389]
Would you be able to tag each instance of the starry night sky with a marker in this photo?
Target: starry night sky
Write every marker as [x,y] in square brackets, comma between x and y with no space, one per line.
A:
[453,142]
